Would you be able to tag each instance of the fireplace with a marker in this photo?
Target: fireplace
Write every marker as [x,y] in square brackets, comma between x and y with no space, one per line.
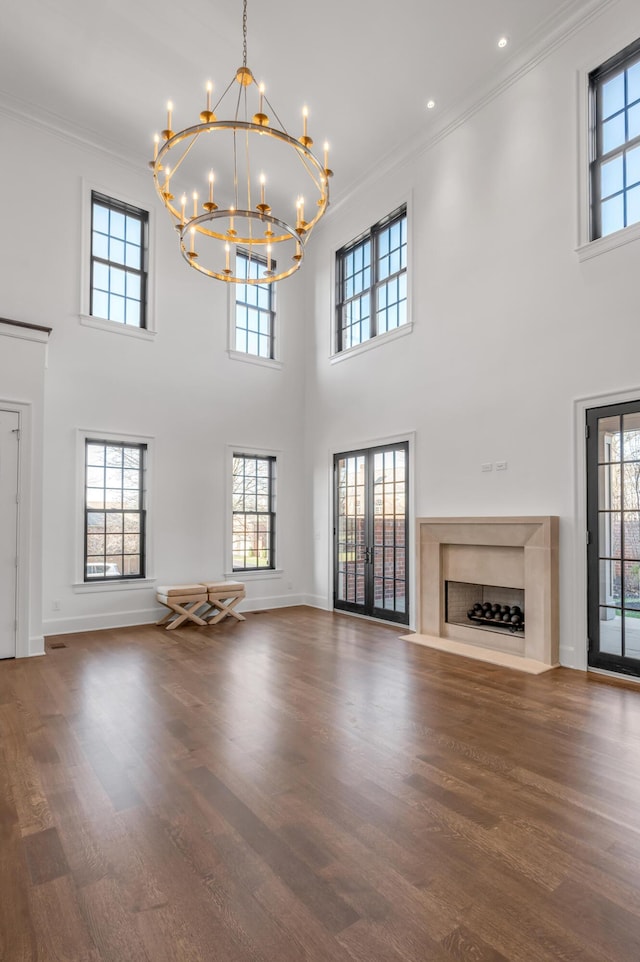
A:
[513,559]
[485,607]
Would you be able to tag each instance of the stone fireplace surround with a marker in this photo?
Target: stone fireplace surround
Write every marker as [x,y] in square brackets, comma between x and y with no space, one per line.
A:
[514,552]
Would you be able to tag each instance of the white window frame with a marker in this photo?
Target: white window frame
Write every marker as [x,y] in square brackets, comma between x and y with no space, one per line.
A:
[258,574]
[125,584]
[86,318]
[336,356]
[585,247]
[273,362]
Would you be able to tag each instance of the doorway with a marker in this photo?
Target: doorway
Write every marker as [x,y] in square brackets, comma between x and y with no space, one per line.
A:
[613,551]
[371,554]
[9,441]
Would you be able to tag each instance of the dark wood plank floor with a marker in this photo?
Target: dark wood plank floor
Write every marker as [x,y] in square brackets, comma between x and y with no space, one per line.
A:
[305,787]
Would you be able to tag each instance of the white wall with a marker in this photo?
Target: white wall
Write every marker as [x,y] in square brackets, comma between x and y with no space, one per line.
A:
[510,329]
[179,387]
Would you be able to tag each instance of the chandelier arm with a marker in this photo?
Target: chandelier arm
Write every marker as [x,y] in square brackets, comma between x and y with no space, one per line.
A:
[166,148]
[275,114]
[224,94]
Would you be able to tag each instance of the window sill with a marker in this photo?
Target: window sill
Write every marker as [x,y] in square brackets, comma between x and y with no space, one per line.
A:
[612,241]
[254,359]
[269,574]
[87,587]
[372,343]
[102,324]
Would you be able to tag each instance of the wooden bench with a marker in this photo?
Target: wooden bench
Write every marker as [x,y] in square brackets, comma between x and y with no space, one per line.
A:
[183,601]
[222,597]
[204,603]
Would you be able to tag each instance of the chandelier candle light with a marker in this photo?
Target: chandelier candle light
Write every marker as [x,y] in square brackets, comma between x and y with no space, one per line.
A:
[241,157]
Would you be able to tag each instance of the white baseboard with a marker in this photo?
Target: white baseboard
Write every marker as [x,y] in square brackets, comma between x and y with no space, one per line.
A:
[317,601]
[279,601]
[148,616]
[111,619]
[36,646]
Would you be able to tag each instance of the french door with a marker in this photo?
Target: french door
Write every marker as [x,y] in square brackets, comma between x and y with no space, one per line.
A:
[371,532]
[613,553]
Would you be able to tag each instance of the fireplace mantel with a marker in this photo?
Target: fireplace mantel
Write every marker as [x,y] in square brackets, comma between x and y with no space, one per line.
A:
[521,552]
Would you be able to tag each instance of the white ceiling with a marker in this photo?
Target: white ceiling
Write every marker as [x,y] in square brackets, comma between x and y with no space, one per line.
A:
[366,68]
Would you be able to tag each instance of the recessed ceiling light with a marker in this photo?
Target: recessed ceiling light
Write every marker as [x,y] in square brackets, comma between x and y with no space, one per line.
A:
[502,42]
[430,104]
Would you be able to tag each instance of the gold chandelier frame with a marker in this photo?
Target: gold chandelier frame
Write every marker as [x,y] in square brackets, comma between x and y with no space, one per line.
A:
[250,227]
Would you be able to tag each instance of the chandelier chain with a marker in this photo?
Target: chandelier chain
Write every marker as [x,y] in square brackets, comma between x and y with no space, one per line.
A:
[244,34]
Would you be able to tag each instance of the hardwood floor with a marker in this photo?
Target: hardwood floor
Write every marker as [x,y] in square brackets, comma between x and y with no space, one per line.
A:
[305,787]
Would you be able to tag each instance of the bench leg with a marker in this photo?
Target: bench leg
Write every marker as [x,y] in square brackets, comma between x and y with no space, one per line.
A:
[223,607]
[185,612]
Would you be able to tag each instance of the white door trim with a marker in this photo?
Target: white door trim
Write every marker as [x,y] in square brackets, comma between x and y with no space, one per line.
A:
[26,602]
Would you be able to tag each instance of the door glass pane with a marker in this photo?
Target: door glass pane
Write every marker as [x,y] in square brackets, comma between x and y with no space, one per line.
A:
[631,437]
[631,576]
[609,439]
[609,490]
[610,582]
[632,634]
[632,535]
[610,541]
[631,481]
[611,631]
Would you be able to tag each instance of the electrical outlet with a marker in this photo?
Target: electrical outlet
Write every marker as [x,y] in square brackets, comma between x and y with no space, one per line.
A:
[487,466]
[55,605]
[501,465]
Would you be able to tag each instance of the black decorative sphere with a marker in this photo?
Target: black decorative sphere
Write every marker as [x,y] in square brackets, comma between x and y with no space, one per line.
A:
[506,617]
[496,608]
[516,610]
[516,619]
[486,606]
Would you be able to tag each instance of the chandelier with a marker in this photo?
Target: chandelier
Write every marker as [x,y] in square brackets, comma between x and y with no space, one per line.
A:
[241,185]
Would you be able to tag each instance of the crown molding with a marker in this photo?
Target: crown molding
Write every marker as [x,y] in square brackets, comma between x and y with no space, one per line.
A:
[26,113]
[553,33]
[556,31]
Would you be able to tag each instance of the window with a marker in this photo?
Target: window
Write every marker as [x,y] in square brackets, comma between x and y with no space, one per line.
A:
[114,527]
[255,308]
[118,261]
[371,275]
[253,512]
[615,160]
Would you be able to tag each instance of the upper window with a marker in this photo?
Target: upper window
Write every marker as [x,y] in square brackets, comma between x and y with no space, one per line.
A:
[118,261]
[255,308]
[254,516]
[371,276]
[114,527]
[615,160]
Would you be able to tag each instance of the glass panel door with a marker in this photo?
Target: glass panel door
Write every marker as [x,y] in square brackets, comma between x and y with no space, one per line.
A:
[613,496]
[371,532]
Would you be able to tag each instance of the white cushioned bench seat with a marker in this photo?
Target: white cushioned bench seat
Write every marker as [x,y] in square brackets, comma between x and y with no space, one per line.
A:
[222,597]
[183,601]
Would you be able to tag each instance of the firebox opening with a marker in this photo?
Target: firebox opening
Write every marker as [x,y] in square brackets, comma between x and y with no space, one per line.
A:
[485,607]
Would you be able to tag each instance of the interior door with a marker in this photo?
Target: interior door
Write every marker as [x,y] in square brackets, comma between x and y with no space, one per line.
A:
[9,440]
[371,532]
[613,553]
